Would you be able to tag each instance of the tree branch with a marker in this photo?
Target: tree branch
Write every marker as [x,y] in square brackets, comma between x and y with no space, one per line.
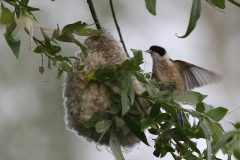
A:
[118,28]
[235,2]
[94,15]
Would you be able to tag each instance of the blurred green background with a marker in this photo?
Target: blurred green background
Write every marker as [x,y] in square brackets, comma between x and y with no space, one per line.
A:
[32,123]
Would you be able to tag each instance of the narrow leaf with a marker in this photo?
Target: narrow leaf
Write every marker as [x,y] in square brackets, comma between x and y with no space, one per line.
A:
[194,16]
[88,32]
[155,109]
[189,97]
[217,3]
[103,126]
[83,48]
[217,114]
[151,6]
[224,139]
[15,46]
[70,28]
[135,128]
[115,146]
[138,58]
[64,66]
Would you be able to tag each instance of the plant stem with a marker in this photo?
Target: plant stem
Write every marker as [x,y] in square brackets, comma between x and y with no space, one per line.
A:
[235,2]
[94,15]
[118,28]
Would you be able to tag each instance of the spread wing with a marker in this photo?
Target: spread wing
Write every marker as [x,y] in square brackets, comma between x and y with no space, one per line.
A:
[194,76]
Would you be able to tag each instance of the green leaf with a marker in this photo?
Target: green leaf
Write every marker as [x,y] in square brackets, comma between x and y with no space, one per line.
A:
[28,8]
[41,70]
[56,32]
[64,38]
[194,16]
[88,32]
[38,49]
[186,139]
[60,71]
[189,97]
[70,28]
[217,114]
[127,92]
[115,146]
[47,39]
[140,77]
[224,139]
[81,67]
[138,58]
[162,117]
[160,94]
[104,72]
[217,3]
[200,107]
[115,108]
[207,107]
[135,128]
[15,46]
[25,1]
[134,111]
[145,122]
[236,147]
[128,66]
[151,6]
[64,66]
[6,16]
[111,93]
[216,132]
[126,130]
[155,109]
[52,50]
[103,126]
[170,109]
[83,48]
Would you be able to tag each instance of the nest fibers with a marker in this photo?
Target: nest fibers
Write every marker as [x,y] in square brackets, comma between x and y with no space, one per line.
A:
[82,101]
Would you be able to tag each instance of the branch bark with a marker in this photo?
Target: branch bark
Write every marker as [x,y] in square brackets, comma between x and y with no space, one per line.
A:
[94,15]
[235,2]
[118,28]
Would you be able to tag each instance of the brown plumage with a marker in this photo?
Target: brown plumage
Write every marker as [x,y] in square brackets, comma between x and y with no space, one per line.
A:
[186,75]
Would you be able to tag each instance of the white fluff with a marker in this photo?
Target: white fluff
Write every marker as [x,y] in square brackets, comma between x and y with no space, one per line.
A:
[82,100]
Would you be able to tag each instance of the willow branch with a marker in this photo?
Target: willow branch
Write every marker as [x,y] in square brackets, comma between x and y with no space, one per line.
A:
[235,2]
[94,15]
[159,134]
[118,28]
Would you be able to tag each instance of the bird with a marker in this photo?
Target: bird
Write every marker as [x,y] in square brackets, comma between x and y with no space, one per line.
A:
[186,76]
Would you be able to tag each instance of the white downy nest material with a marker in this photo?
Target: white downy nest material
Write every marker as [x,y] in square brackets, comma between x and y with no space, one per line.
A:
[81,101]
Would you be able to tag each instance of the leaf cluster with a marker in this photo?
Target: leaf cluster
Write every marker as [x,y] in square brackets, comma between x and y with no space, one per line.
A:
[49,46]
[161,118]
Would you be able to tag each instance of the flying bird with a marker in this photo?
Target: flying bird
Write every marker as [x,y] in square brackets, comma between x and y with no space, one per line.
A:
[187,76]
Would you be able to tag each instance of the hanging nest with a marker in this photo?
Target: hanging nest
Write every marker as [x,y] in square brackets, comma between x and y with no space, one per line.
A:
[82,100]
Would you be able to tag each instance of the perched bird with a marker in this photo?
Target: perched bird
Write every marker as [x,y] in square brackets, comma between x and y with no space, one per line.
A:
[186,75]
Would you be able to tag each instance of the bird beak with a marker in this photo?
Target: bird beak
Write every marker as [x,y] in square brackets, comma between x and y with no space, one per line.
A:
[149,51]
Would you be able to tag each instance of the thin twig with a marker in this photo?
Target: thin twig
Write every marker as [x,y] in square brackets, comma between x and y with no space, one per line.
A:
[118,28]
[94,15]
[235,2]
[34,38]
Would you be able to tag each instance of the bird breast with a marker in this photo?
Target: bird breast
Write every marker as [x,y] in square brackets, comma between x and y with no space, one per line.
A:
[166,71]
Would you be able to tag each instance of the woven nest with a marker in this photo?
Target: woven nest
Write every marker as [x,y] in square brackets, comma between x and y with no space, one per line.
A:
[81,101]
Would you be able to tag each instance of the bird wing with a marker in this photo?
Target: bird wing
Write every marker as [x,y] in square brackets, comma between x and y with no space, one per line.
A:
[194,76]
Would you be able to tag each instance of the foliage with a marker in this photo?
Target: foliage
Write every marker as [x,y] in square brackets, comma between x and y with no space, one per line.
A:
[162,119]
